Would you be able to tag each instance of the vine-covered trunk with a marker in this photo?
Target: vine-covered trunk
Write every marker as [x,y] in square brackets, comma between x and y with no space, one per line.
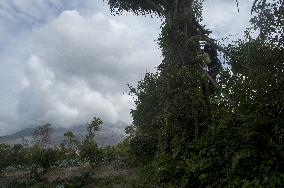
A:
[184,99]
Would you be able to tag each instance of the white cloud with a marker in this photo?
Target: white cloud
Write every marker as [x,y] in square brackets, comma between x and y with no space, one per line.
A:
[76,67]
[222,17]
[46,99]
[66,61]
[97,48]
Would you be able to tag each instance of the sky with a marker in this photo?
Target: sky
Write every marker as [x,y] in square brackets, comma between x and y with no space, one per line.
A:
[66,61]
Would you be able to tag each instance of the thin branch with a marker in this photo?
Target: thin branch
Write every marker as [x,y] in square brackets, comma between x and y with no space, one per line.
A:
[200,28]
[238,5]
[220,48]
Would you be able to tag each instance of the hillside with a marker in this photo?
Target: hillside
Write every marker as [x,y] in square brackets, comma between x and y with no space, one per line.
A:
[108,135]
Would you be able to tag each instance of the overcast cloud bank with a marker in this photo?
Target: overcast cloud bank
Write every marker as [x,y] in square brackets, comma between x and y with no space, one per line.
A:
[64,62]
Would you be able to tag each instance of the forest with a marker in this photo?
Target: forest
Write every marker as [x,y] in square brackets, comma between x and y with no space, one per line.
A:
[210,116]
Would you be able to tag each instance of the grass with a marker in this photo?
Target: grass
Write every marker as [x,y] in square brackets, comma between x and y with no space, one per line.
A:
[101,176]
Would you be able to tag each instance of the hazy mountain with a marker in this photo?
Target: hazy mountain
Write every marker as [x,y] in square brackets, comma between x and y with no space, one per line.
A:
[109,135]
[20,134]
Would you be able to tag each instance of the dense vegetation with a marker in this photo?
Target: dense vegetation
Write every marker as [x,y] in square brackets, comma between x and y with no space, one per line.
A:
[190,128]
[193,131]
[40,164]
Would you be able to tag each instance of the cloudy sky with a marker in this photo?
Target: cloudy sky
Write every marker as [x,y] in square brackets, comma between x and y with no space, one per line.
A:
[65,61]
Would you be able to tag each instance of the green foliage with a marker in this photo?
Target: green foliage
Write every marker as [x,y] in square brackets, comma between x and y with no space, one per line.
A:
[42,135]
[139,7]
[69,148]
[185,132]
[17,155]
[160,8]
[240,146]
[4,156]
[268,19]
[71,141]
[41,155]
[44,158]
[89,150]
[188,136]
[145,143]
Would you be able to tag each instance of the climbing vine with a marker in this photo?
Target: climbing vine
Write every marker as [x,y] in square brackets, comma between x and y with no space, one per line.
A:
[194,129]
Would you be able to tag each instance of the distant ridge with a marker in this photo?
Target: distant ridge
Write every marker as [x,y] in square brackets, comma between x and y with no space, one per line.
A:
[20,134]
[109,135]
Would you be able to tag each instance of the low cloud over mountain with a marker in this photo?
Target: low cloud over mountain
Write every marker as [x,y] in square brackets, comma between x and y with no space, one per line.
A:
[64,62]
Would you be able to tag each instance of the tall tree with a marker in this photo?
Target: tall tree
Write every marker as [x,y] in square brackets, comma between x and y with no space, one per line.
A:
[197,138]
[173,107]
[179,40]
[42,135]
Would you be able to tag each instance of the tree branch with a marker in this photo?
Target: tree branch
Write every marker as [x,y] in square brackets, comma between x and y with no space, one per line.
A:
[214,83]
[157,7]
[204,34]
[210,41]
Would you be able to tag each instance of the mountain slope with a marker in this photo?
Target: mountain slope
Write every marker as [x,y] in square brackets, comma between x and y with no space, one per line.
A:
[109,135]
